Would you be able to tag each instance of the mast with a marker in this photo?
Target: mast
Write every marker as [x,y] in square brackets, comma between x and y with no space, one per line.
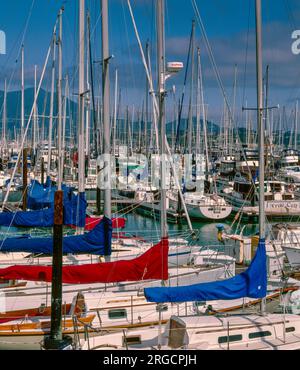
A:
[87,100]
[203,115]
[22,93]
[55,340]
[260,128]
[296,126]
[35,114]
[162,119]
[146,103]
[51,106]
[233,112]
[198,129]
[261,132]
[24,160]
[200,104]
[59,105]
[81,105]
[4,114]
[63,148]
[267,103]
[115,113]
[161,64]
[106,109]
[190,125]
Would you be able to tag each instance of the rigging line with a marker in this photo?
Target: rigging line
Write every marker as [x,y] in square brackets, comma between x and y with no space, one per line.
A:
[183,92]
[26,27]
[129,48]
[246,54]
[92,86]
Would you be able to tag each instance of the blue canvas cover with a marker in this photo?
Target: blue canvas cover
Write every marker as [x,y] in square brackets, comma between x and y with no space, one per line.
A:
[97,241]
[75,209]
[39,218]
[74,214]
[41,196]
[252,283]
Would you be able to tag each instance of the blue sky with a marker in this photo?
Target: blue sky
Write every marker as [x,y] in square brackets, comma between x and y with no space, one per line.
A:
[229,25]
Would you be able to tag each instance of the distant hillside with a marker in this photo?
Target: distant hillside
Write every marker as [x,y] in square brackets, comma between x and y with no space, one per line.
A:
[14,113]
[14,108]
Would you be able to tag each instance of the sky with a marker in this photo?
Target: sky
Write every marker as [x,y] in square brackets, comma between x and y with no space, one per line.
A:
[230,27]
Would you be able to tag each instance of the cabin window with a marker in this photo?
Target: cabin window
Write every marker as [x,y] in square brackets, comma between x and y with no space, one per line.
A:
[117,314]
[275,187]
[162,308]
[131,340]
[259,334]
[269,197]
[200,303]
[230,338]
[290,329]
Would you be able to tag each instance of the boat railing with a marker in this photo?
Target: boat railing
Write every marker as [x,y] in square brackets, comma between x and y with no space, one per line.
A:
[87,330]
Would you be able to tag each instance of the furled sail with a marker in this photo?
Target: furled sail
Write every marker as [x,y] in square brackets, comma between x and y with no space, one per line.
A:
[41,196]
[153,264]
[91,222]
[97,241]
[74,214]
[252,283]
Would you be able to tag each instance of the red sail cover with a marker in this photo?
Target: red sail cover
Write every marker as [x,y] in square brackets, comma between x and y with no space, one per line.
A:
[91,222]
[153,264]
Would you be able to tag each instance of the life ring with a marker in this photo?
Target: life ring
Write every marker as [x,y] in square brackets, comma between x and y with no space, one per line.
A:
[291,187]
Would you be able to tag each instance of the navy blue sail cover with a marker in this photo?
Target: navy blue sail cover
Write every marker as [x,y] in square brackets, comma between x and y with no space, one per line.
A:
[97,241]
[40,196]
[252,283]
[40,218]
[74,210]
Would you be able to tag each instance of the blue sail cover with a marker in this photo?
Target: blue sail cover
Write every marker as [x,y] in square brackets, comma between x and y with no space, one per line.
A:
[252,283]
[75,209]
[74,214]
[40,218]
[97,241]
[41,196]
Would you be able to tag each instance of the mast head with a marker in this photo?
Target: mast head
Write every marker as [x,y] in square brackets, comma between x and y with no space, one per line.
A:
[174,67]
